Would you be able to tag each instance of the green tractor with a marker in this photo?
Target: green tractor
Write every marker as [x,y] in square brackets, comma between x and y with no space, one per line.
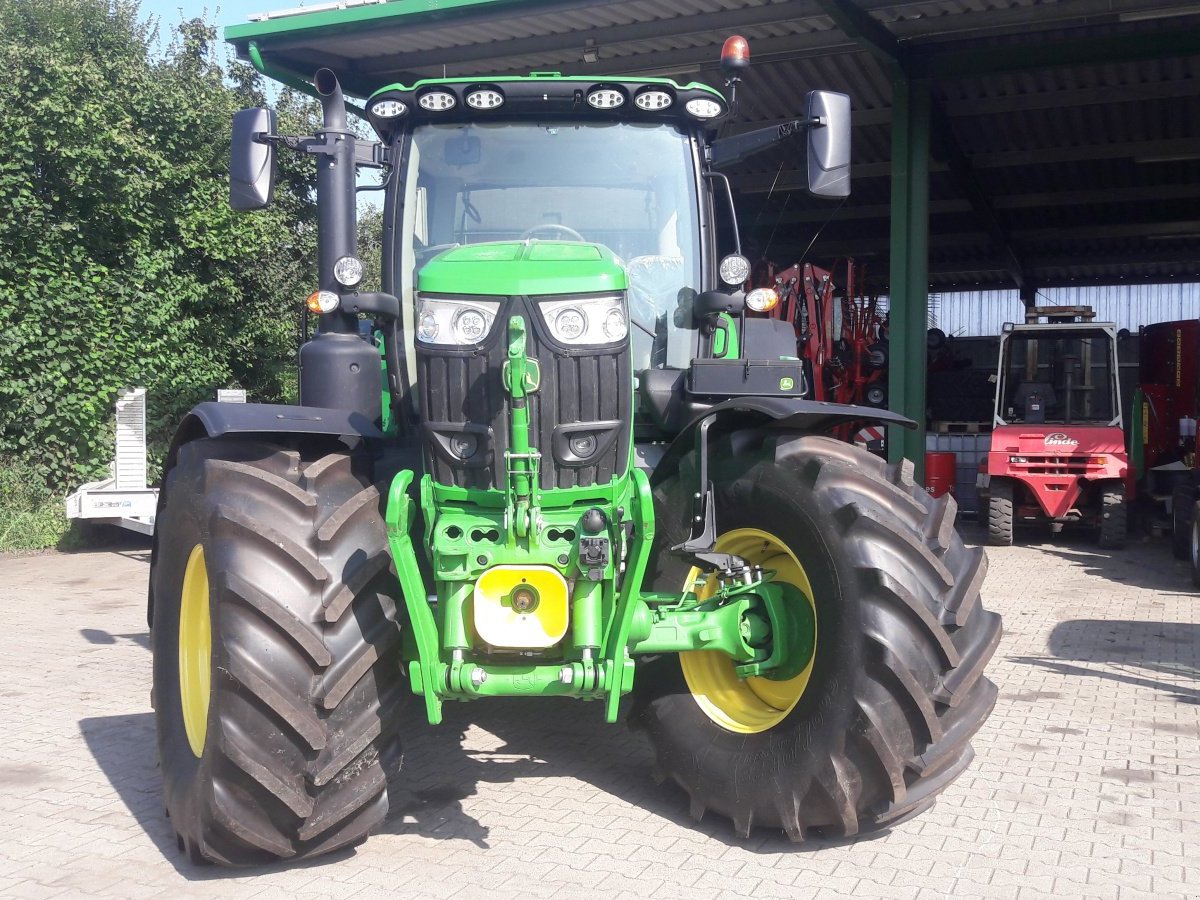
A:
[589,473]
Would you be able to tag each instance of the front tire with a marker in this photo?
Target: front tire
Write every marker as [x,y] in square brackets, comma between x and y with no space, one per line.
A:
[276,667]
[882,722]
[1182,499]
[1000,513]
[1113,527]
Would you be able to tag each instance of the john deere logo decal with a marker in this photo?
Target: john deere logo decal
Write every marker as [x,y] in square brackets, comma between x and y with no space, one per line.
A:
[786,384]
[1058,439]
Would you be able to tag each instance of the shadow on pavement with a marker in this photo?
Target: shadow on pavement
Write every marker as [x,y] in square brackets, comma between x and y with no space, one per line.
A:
[100,636]
[89,537]
[1132,652]
[124,746]
[1144,562]
[553,737]
[547,737]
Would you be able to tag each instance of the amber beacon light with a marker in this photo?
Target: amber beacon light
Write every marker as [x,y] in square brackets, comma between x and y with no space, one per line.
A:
[735,57]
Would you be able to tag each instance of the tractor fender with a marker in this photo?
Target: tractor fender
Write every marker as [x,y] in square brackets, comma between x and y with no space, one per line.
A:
[217,419]
[775,413]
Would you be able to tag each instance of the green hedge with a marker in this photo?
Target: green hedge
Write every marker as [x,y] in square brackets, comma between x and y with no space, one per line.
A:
[121,263]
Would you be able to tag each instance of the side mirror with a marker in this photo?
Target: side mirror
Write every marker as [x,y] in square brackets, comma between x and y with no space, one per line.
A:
[712,303]
[251,160]
[829,144]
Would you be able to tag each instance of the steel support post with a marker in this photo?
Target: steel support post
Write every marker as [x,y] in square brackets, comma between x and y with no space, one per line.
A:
[1029,301]
[909,293]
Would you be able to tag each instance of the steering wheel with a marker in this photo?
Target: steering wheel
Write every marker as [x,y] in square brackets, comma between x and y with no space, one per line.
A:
[551,229]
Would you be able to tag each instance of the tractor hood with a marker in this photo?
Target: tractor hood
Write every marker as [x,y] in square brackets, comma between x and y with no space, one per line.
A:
[523,269]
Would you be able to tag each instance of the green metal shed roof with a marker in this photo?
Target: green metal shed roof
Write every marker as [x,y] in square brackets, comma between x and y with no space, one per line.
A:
[361,41]
[1066,139]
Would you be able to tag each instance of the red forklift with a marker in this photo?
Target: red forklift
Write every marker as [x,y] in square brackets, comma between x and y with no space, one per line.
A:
[1057,455]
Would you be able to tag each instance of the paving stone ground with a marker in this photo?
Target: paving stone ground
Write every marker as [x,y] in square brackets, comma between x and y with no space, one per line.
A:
[1086,784]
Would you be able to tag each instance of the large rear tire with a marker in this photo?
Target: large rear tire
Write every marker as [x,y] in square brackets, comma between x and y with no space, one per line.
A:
[881,723]
[1000,513]
[276,652]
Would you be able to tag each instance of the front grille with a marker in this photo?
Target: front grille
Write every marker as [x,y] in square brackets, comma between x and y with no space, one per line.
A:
[461,393]
[1057,465]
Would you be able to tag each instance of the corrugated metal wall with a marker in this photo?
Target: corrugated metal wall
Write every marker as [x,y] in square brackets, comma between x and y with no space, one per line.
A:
[1129,305]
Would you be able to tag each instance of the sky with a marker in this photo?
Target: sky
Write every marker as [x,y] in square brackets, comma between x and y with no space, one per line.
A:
[228,12]
[235,12]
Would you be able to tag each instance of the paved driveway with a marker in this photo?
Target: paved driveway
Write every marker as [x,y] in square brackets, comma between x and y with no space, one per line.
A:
[1086,784]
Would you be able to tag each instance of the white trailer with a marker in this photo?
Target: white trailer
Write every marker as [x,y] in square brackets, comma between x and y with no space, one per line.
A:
[123,498]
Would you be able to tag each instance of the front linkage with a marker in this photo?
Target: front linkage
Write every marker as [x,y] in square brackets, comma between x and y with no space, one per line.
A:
[522,568]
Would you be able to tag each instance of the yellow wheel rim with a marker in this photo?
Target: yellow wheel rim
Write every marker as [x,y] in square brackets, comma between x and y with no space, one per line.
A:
[755,704]
[195,650]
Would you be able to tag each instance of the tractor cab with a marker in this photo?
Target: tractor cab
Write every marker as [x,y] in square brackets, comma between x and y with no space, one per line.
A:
[1057,454]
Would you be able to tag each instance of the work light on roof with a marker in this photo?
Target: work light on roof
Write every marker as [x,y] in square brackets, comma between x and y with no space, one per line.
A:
[388,109]
[703,108]
[605,98]
[484,98]
[652,100]
[437,101]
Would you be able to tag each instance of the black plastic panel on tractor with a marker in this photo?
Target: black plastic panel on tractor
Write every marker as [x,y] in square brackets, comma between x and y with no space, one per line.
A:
[582,392]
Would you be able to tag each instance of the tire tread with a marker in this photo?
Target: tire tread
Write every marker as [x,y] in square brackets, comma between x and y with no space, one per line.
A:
[307,686]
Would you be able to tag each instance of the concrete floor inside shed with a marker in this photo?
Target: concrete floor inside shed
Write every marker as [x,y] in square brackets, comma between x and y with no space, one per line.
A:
[1086,782]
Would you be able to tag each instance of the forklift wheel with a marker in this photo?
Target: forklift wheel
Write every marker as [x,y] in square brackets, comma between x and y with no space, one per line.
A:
[1181,526]
[1112,516]
[1000,513]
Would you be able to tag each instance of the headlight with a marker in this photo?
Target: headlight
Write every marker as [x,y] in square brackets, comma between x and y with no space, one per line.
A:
[454,322]
[470,325]
[427,327]
[586,320]
[321,302]
[616,326]
[582,445]
[348,271]
[762,299]
[734,269]
[569,324]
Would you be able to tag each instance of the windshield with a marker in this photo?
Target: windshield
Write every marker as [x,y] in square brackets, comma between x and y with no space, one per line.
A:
[629,186]
[1061,377]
